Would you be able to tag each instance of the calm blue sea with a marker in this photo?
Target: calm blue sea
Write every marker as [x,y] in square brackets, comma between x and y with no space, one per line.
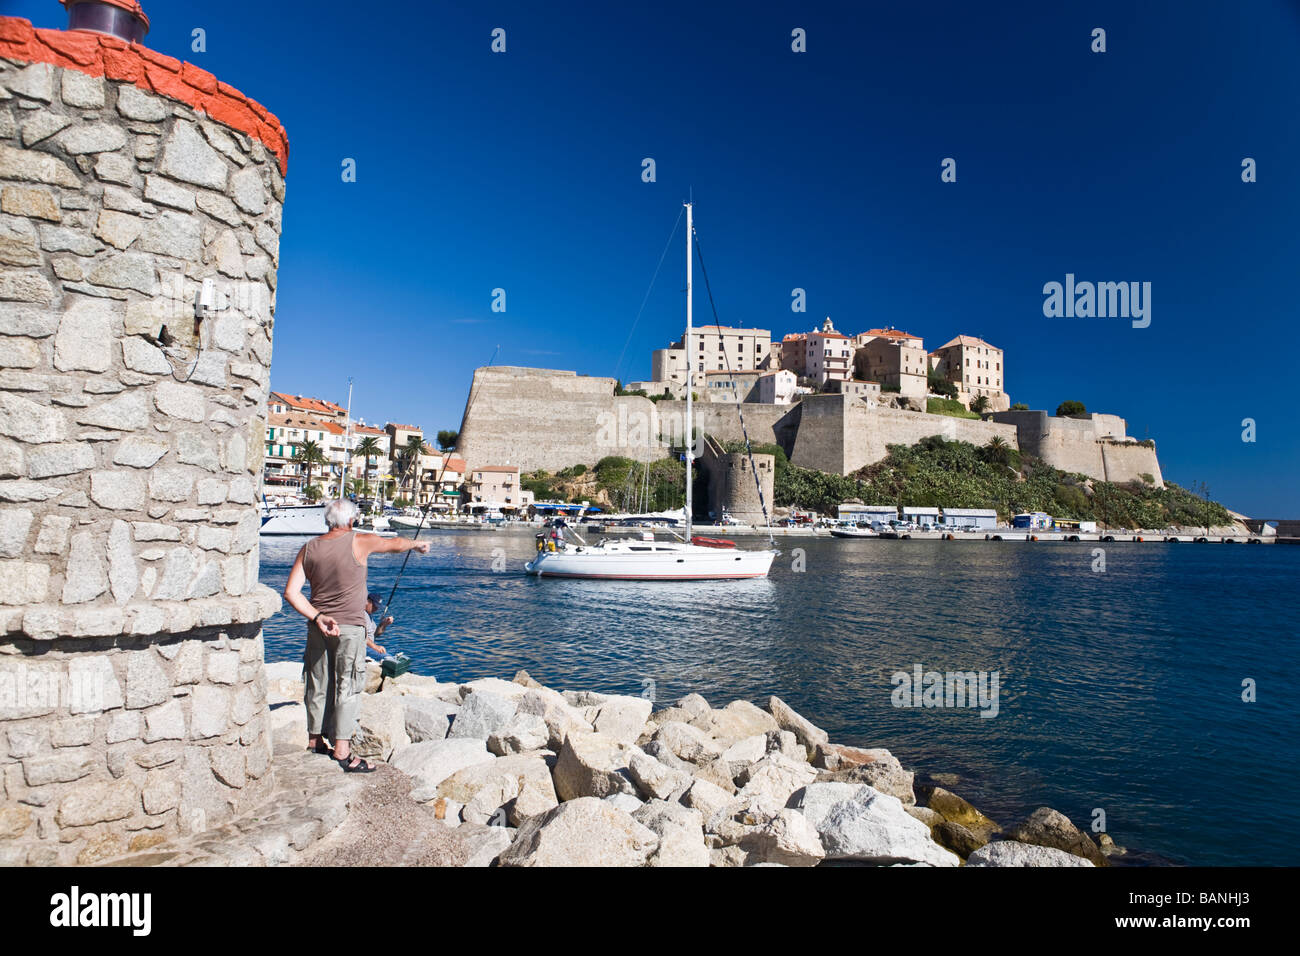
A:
[1119,691]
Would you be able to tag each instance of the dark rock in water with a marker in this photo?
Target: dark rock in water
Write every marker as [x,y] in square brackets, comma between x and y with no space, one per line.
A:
[956,810]
[957,838]
[1047,827]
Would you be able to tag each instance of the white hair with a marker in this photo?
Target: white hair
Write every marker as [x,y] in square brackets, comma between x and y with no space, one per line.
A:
[340,513]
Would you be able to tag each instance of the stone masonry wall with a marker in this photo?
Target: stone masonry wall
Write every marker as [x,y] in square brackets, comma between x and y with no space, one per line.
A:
[1097,446]
[132,705]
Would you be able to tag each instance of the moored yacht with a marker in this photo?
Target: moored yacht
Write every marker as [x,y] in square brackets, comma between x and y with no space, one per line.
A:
[644,558]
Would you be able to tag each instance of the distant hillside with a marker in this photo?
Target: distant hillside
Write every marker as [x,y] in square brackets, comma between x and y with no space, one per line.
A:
[955,474]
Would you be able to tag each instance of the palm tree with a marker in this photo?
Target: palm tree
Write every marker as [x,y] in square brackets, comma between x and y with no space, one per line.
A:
[980,405]
[309,454]
[369,448]
[999,452]
[410,457]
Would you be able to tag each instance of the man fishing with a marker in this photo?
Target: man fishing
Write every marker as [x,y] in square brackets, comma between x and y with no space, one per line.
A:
[334,564]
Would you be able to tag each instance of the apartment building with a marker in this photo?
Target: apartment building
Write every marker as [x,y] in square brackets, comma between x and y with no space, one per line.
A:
[715,348]
[975,367]
[820,356]
[893,358]
[496,486]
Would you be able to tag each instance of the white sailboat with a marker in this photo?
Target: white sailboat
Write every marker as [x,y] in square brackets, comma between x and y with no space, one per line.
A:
[644,558]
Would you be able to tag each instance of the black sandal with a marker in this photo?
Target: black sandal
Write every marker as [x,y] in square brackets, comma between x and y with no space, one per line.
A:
[360,767]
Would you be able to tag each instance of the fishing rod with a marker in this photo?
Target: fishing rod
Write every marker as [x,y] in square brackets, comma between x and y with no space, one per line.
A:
[424,512]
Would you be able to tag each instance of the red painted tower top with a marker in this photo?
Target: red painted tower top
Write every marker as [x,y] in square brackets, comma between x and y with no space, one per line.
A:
[100,51]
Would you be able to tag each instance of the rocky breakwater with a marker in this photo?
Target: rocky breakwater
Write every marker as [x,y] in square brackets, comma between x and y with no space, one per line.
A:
[540,777]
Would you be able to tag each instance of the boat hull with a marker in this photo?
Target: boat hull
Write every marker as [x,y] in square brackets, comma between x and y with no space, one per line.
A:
[293,520]
[630,561]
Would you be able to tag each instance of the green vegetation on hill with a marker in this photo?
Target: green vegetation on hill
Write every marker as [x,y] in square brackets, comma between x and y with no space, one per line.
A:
[955,474]
[948,406]
[616,480]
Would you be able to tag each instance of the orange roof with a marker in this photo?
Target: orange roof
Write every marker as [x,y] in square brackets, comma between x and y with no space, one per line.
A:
[296,421]
[794,336]
[408,428]
[368,430]
[891,334]
[456,464]
[501,468]
[304,404]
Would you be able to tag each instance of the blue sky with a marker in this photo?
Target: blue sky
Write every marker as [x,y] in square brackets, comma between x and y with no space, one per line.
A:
[817,170]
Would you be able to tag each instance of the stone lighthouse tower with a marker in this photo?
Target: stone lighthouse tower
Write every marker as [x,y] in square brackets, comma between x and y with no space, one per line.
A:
[140,203]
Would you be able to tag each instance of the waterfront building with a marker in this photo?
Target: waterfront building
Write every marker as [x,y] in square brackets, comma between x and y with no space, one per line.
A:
[1032,521]
[444,494]
[895,359]
[403,470]
[975,367]
[282,403]
[921,515]
[371,473]
[285,436]
[496,486]
[868,513]
[982,519]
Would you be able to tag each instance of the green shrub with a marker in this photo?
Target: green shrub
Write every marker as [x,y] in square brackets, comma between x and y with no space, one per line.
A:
[954,474]
[948,406]
[1070,407]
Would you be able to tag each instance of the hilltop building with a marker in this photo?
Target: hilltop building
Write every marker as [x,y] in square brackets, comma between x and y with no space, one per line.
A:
[820,356]
[975,367]
[717,348]
[894,359]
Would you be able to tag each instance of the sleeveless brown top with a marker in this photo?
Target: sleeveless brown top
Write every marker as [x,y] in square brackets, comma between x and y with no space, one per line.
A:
[337,578]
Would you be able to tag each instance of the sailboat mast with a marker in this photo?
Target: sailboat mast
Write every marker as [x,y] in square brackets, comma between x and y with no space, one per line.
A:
[347,445]
[690,374]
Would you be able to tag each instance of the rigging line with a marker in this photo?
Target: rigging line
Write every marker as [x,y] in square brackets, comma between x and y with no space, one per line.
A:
[646,298]
[758,485]
[424,512]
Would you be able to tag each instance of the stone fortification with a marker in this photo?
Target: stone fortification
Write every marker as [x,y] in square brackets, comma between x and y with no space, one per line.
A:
[132,692]
[840,434]
[1096,445]
[543,418]
[732,488]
